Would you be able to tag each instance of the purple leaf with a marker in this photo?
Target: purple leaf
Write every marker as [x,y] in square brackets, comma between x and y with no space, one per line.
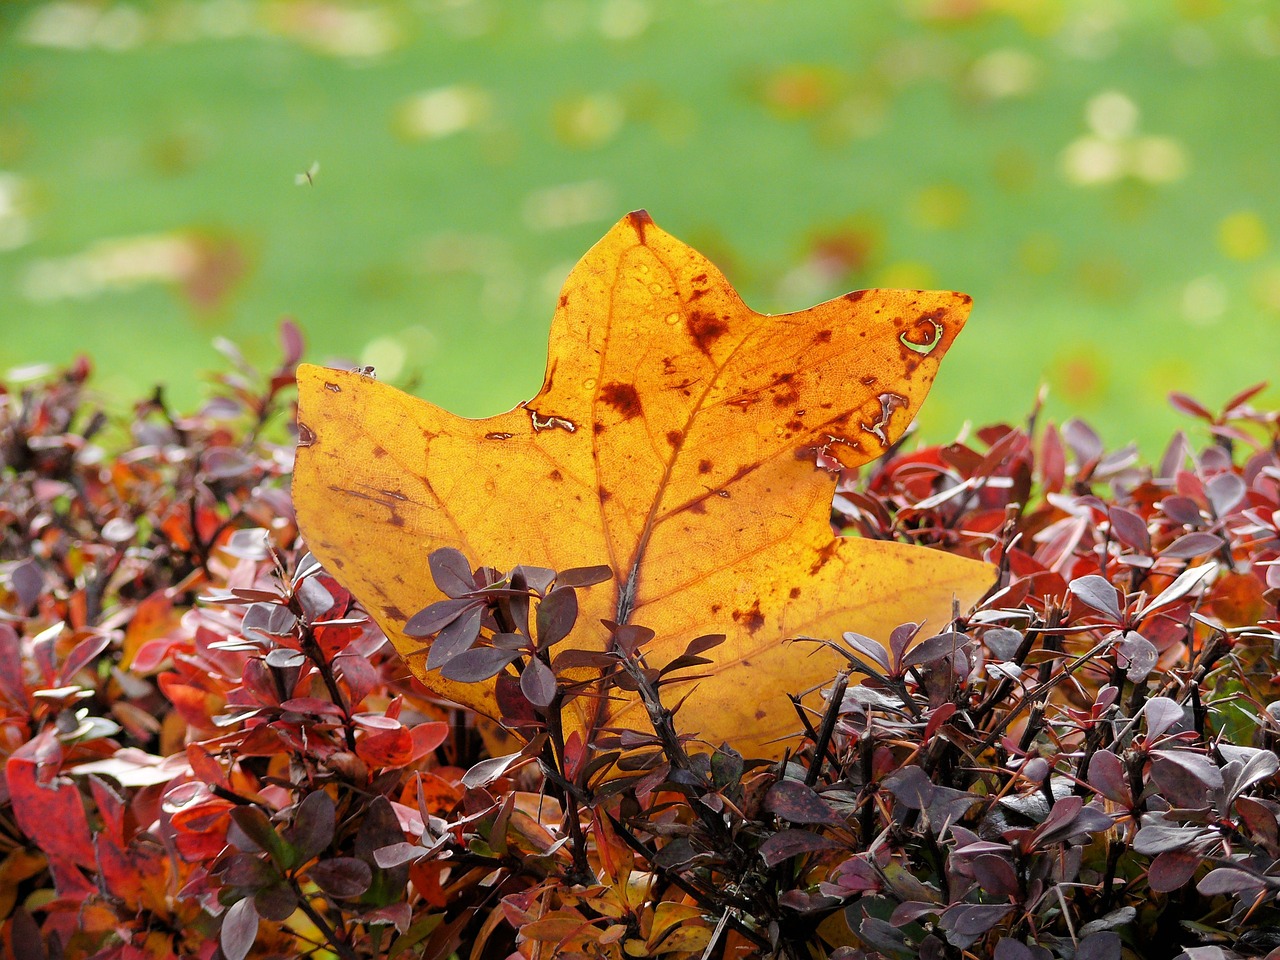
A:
[1196,764]
[477,664]
[995,875]
[313,826]
[1003,642]
[437,616]
[1224,492]
[557,613]
[315,598]
[584,576]
[1157,836]
[1107,776]
[1161,714]
[1098,593]
[1192,545]
[786,844]
[934,649]
[898,640]
[239,929]
[1130,529]
[798,803]
[1184,584]
[275,902]
[1182,510]
[1010,949]
[342,877]
[454,639]
[1139,655]
[1229,880]
[538,683]
[451,571]
[395,854]
[869,648]
[1103,945]
[973,919]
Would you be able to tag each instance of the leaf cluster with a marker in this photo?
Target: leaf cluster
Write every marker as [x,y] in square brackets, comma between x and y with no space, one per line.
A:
[209,750]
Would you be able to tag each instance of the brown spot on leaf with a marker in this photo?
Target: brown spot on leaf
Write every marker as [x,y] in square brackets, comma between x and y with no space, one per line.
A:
[795,425]
[640,222]
[705,328]
[704,466]
[623,398]
[795,592]
[715,608]
[564,300]
[394,612]
[597,428]
[822,336]
[752,619]
[306,436]
[855,296]
[555,475]
[824,554]
[675,437]
[700,278]
[605,495]
[785,399]
[396,520]
[697,507]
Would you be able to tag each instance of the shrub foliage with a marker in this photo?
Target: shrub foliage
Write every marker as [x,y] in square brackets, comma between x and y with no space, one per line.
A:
[209,751]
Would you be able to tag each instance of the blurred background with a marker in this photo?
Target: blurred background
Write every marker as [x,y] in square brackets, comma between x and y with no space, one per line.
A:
[411,181]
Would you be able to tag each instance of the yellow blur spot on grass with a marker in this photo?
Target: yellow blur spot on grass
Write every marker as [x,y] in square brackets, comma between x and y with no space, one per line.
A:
[1243,236]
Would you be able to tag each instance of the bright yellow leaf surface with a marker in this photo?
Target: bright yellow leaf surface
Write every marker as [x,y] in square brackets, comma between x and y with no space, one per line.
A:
[675,439]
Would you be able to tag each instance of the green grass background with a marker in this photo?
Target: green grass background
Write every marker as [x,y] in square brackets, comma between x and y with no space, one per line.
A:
[808,147]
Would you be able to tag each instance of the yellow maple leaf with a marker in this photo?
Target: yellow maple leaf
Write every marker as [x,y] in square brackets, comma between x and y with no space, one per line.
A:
[675,439]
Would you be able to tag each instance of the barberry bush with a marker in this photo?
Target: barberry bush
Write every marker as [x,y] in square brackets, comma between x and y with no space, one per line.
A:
[210,751]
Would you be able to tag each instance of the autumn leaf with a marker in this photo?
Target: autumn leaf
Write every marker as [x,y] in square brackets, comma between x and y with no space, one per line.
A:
[675,439]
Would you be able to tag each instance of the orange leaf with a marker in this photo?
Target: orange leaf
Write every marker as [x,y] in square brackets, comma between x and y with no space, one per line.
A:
[675,439]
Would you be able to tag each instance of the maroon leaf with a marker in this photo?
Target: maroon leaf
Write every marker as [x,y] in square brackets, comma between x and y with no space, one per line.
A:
[995,875]
[342,877]
[276,902]
[1172,870]
[1182,510]
[798,803]
[584,576]
[1190,406]
[1107,776]
[1129,528]
[786,844]
[313,826]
